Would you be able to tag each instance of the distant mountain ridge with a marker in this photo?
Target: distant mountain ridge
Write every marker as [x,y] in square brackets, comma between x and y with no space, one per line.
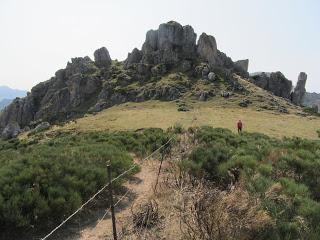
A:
[9,93]
[5,102]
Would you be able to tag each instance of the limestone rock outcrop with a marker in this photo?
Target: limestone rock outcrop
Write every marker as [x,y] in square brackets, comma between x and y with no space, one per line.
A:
[300,89]
[242,64]
[85,85]
[207,49]
[102,57]
[65,95]
[11,130]
[170,44]
[274,82]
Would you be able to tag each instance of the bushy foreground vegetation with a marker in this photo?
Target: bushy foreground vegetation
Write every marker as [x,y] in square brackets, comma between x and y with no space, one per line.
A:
[41,183]
[283,174]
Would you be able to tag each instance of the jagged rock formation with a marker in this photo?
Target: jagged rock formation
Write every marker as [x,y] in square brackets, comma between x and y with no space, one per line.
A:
[279,85]
[102,57]
[274,82]
[168,65]
[174,45]
[300,90]
[64,95]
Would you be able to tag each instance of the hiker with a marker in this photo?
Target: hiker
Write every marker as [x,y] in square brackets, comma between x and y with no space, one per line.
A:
[239,125]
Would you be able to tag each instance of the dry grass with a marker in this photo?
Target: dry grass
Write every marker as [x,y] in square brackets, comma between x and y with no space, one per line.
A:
[217,112]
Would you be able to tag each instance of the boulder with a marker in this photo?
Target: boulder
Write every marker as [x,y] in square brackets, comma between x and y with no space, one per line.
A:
[225,94]
[102,57]
[300,90]
[41,127]
[203,96]
[211,76]
[244,103]
[10,131]
[242,65]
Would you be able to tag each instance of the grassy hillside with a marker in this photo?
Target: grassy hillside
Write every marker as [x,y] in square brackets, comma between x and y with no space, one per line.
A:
[217,113]
[265,113]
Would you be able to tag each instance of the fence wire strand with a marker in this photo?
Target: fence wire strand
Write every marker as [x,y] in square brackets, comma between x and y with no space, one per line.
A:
[102,189]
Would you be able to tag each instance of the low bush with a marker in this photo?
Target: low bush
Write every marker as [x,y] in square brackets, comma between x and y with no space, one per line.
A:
[283,174]
[41,183]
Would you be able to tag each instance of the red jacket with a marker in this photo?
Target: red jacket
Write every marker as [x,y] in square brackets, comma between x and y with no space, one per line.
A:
[239,124]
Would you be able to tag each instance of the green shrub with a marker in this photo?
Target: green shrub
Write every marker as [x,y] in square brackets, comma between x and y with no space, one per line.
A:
[283,174]
[41,184]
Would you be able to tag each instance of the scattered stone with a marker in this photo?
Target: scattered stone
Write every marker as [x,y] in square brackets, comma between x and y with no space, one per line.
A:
[211,76]
[204,95]
[41,127]
[225,94]
[244,103]
[182,107]
[302,114]
[283,109]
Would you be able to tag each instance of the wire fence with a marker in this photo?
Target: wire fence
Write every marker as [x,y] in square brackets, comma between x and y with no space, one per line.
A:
[101,190]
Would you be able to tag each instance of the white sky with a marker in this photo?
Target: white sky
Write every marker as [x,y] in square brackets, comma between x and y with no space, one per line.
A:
[38,37]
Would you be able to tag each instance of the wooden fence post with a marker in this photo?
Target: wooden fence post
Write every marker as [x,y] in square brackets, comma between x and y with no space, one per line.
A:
[114,228]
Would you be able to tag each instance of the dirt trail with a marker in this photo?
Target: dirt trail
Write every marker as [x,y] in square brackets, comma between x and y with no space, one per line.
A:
[140,187]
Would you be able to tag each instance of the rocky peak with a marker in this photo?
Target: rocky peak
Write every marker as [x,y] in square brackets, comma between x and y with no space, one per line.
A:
[87,85]
[102,57]
[169,44]
[83,65]
[300,90]
[207,49]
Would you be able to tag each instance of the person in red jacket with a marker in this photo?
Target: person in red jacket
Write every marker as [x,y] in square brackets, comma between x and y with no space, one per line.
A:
[239,125]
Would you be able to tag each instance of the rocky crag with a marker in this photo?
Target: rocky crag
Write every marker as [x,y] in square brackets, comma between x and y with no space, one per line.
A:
[312,100]
[280,86]
[169,64]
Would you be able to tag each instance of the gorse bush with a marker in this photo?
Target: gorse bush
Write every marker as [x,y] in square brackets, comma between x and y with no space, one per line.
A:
[283,174]
[43,183]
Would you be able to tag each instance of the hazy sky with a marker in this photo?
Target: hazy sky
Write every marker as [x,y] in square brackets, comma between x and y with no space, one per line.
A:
[38,37]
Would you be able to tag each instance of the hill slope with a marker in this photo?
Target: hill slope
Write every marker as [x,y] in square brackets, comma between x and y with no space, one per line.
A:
[171,65]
